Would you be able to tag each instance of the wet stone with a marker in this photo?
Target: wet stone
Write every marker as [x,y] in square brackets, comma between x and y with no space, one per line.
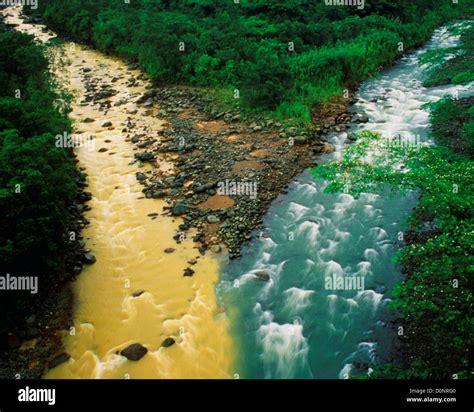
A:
[58,360]
[168,342]
[262,275]
[89,258]
[134,352]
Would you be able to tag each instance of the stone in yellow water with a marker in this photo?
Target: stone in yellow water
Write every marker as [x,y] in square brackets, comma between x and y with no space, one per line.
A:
[129,247]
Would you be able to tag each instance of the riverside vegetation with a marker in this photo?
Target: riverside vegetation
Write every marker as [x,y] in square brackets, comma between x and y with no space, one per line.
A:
[281,56]
[435,300]
[40,199]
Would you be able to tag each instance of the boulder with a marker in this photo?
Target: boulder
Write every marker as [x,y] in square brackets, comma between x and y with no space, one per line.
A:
[328,148]
[57,360]
[179,209]
[212,219]
[148,103]
[132,109]
[361,118]
[262,274]
[134,352]
[144,156]
[216,249]
[168,342]
[88,258]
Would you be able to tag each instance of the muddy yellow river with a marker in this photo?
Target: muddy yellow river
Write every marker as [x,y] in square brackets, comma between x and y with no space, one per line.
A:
[129,247]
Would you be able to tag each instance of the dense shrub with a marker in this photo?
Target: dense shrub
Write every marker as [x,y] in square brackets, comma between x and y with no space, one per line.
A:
[37,179]
[226,42]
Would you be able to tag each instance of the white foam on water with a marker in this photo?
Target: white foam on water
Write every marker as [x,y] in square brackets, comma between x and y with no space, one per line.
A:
[345,372]
[285,349]
[297,210]
[310,188]
[333,268]
[318,209]
[266,257]
[330,251]
[311,229]
[369,299]
[364,268]
[371,255]
[386,248]
[297,299]
[341,236]
[332,300]
[378,233]
[368,350]
[269,243]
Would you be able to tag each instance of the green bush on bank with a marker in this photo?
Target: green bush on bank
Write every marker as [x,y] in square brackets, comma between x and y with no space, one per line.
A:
[37,179]
[314,51]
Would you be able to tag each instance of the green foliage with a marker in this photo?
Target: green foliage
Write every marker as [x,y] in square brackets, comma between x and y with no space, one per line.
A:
[37,179]
[35,218]
[453,124]
[247,45]
[265,81]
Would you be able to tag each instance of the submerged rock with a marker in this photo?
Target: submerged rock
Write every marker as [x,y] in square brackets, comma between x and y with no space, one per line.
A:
[168,342]
[89,258]
[134,352]
[144,156]
[361,118]
[58,360]
[140,176]
[263,275]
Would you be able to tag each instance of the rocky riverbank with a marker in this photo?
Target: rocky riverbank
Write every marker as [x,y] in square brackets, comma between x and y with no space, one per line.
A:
[214,151]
